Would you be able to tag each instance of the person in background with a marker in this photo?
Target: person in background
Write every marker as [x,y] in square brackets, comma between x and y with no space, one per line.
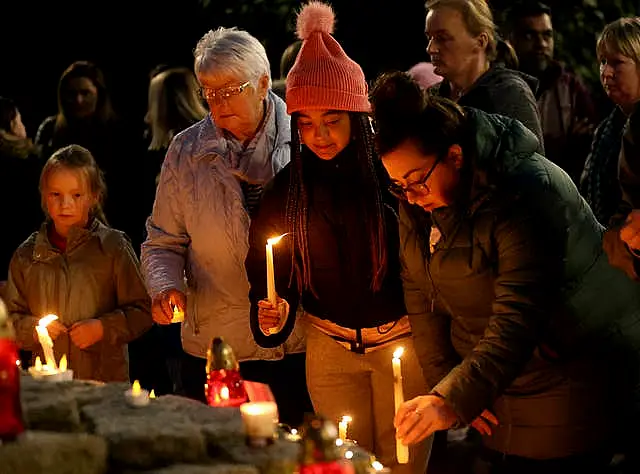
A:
[174,105]
[19,168]
[567,113]
[618,51]
[286,63]
[466,51]
[80,269]
[86,117]
[210,184]
[339,259]
[523,329]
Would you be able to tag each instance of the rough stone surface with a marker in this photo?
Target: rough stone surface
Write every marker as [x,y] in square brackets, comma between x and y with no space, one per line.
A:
[145,437]
[88,428]
[54,453]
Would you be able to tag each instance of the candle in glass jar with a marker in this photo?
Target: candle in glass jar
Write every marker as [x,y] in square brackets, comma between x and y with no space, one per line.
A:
[402,451]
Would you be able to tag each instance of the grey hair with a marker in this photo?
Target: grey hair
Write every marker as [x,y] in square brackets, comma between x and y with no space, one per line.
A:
[232,51]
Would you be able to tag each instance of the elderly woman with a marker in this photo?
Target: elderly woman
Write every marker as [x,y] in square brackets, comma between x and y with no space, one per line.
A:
[515,311]
[618,50]
[211,179]
[465,50]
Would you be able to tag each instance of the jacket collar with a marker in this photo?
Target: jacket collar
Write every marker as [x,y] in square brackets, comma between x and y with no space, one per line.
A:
[44,250]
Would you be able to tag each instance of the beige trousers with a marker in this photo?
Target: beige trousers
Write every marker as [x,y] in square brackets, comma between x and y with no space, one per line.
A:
[342,382]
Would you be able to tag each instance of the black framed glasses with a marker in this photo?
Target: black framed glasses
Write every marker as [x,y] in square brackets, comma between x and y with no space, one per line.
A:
[224,93]
[418,187]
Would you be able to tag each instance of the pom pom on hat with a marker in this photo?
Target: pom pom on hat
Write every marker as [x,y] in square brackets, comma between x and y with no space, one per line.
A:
[323,76]
[315,17]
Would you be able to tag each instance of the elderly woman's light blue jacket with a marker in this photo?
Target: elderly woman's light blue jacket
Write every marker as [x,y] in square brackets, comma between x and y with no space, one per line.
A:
[198,231]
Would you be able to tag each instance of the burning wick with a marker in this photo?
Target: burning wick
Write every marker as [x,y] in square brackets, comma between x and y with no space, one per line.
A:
[136,396]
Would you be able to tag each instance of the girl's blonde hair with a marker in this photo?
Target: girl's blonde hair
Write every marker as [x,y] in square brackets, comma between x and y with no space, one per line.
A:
[621,36]
[78,159]
[477,17]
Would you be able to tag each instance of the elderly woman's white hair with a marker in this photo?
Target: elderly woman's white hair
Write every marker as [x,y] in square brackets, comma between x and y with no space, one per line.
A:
[232,51]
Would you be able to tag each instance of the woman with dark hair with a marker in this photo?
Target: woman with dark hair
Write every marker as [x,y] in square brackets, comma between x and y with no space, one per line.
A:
[86,117]
[339,259]
[515,312]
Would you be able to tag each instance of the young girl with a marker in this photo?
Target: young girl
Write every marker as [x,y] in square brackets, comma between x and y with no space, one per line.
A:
[81,270]
[343,243]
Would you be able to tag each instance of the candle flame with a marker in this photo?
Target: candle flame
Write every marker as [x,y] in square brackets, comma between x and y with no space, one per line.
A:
[398,353]
[275,240]
[46,320]
[63,363]
[135,389]
[339,442]
[152,394]
[377,466]
[224,393]
[347,418]
[348,454]
[38,364]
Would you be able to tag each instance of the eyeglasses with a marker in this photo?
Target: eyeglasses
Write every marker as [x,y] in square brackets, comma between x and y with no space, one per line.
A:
[224,93]
[418,187]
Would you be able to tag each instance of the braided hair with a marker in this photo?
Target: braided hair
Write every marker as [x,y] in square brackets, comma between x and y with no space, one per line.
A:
[371,202]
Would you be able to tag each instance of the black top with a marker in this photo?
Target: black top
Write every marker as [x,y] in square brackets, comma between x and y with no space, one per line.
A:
[339,249]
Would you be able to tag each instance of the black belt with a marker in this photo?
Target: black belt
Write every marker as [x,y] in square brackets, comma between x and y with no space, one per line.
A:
[359,347]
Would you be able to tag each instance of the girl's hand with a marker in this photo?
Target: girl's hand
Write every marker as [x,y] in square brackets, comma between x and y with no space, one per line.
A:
[54,328]
[271,317]
[86,333]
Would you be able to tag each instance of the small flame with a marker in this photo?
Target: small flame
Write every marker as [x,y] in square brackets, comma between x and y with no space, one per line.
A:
[377,466]
[339,442]
[275,240]
[152,394]
[38,364]
[294,431]
[224,393]
[348,454]
[398,353]
[46,320]
[63,363]
[135,389]
[347,418]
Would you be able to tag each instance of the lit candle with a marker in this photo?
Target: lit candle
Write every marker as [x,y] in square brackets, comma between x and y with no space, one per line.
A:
[45,340]
[46,373]
[178,315]
[260,420]
[271,278]
[152,395]
[343,427]
[136,396]
[402,451]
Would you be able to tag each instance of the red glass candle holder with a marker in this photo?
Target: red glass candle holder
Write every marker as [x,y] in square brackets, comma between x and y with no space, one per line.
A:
[11,423]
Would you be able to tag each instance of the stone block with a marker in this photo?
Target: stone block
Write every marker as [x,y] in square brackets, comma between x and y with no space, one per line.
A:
[202,469]
[48,406]
[281,457]
[54,453]
[145,437]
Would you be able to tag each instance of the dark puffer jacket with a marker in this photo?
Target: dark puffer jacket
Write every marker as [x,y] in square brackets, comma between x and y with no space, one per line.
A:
[514,291]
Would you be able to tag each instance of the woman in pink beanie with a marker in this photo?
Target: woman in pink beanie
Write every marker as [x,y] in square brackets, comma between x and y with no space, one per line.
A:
[340,257]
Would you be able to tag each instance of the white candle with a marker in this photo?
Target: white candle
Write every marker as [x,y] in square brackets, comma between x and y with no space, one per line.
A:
[45,340]
[46,373]
[260,420]
[402,451]
[271,275]
[136,396]
[343,427]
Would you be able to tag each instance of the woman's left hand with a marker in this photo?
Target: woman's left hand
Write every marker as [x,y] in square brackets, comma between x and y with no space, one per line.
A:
[86,333]
[417,419]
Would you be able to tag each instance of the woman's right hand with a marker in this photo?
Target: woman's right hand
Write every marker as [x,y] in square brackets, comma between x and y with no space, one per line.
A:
[163,303]
[270,317]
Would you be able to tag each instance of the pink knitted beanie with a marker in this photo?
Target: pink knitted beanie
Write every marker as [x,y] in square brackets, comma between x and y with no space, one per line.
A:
[323,76]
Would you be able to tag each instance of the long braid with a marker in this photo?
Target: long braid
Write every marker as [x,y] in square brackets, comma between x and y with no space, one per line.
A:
[372,195]
[297,211]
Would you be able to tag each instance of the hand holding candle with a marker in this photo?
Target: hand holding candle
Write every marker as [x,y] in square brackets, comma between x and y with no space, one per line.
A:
[402,451]
[272,295]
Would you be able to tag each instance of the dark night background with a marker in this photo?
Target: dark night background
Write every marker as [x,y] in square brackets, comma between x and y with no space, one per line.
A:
[128,38]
